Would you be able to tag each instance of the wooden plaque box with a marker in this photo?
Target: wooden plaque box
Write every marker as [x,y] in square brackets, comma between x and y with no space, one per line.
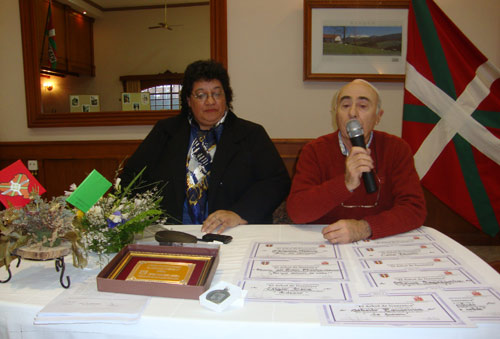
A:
[144,270]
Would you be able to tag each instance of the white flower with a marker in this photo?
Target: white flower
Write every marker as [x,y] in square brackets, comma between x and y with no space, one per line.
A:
[72,188]
[115,218]
[117,183]
[95,209]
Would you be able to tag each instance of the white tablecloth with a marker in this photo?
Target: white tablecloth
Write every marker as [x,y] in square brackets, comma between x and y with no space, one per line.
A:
[34,284]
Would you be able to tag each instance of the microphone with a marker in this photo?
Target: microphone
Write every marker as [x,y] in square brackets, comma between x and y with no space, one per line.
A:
[355,132]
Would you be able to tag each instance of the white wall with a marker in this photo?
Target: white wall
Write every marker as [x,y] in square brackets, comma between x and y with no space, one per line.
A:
[265,64]
[116,43]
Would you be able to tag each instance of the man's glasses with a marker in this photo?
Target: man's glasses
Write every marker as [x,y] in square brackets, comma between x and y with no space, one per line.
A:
[368,206]
[202,96]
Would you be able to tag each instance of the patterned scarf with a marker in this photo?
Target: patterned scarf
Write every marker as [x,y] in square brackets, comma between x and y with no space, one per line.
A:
[198,166]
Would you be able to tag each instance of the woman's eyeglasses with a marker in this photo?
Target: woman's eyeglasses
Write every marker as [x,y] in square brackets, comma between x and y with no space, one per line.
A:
[203,96]
[368,206]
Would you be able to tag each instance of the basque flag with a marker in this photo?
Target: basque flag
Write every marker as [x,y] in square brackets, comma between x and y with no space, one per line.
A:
[451,116]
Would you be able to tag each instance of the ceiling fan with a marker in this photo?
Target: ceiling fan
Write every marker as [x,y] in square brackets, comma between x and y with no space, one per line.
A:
[164,23]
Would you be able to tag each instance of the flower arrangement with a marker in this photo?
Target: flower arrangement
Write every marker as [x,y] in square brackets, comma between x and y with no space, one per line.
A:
[39,223]
[118,216]
[105,228]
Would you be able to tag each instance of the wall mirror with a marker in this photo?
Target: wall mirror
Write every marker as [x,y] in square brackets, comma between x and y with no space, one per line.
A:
[38,117]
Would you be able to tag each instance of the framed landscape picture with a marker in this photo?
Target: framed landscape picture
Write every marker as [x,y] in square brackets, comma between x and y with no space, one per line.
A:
[345,40]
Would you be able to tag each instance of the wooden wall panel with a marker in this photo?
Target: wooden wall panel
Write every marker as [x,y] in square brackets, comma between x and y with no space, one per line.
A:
[69,171]
[289,149]
[62,163]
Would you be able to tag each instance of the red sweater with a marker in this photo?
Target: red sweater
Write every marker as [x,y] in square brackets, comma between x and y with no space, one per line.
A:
[318,188]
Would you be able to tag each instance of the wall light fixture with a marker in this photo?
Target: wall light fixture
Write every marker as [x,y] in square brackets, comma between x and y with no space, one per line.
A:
[48,86]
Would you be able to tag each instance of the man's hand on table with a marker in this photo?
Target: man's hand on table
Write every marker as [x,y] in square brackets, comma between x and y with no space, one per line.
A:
[346,231]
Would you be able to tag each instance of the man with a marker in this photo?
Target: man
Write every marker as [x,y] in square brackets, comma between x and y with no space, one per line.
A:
[327,187]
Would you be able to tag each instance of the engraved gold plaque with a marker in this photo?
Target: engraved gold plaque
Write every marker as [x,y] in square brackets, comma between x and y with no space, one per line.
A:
[176,271]
[163,272]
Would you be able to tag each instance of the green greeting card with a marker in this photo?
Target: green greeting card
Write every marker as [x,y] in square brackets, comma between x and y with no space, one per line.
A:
[89,191]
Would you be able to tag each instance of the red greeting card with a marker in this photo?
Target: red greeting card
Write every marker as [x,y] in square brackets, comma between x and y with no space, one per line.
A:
[16,183]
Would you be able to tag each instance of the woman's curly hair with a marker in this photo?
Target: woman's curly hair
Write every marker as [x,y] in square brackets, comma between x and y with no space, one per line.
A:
[204,70]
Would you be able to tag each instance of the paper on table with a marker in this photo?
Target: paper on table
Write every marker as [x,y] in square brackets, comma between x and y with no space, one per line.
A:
[409,263]
[398,239]
[395,280]
[295,272]
[415,309]
[296,291]
[398,251]
[318,269]
[294,250]
[84,304]
[480,304]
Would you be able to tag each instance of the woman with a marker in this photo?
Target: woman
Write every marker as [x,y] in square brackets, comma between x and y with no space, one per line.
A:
[217,170]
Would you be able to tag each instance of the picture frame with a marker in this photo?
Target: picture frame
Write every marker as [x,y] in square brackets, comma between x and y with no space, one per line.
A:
[85,103]
[166,268]
[139,101]
[118,275]
[349,39]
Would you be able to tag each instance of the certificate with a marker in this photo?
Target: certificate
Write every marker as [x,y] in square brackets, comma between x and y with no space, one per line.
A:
[296,291]
[397,239]
[421,279]
[420,230]
[294,250]
[409,263]
[478,304]
[295,269]
[388,251]
[415,310]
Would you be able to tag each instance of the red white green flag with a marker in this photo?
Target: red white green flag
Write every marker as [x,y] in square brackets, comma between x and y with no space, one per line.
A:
[50,32]
[451,116]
